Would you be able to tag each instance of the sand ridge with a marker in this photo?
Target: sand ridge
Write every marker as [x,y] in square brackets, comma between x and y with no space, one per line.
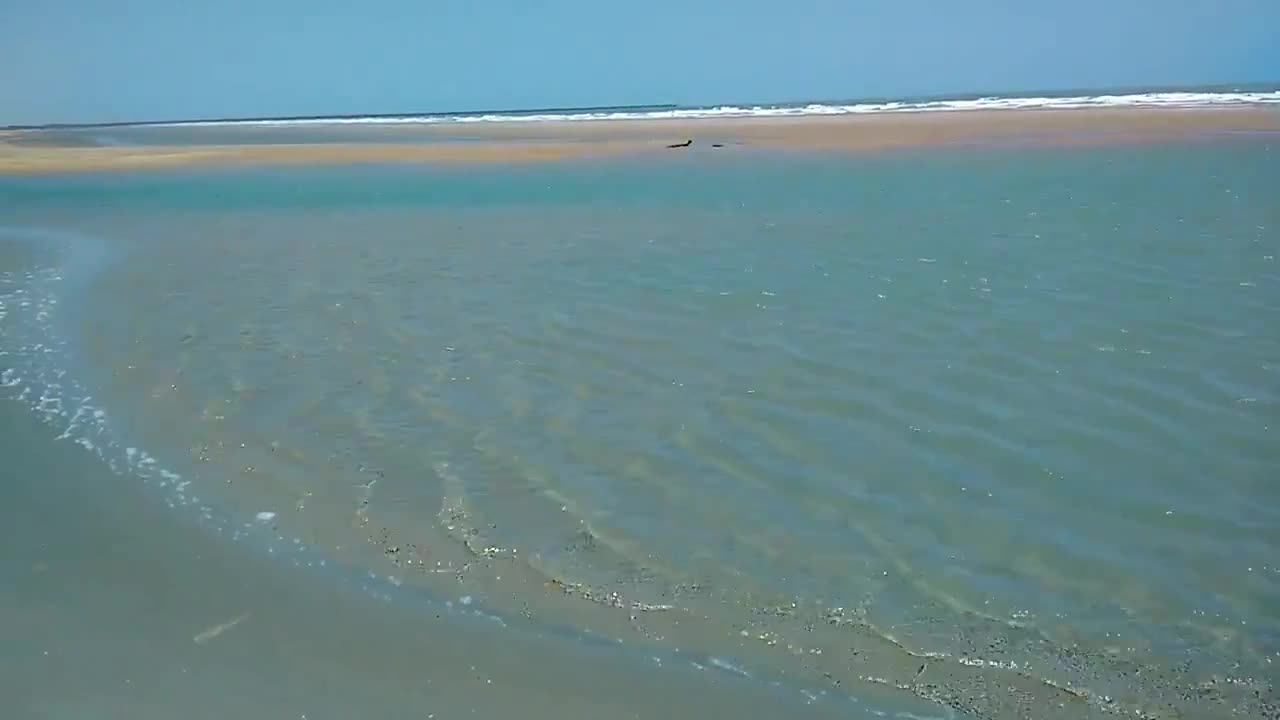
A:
[542,141]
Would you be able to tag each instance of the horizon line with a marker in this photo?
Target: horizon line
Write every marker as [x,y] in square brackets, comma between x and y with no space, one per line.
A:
[1042,92]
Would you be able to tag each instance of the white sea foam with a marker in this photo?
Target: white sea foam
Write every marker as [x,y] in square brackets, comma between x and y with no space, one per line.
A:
[1153,99]
[35,362]
[35,372]
[729,667]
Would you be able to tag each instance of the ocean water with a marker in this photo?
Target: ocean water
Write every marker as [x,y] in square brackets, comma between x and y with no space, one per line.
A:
[960,432]
[1251,95]
[426,127]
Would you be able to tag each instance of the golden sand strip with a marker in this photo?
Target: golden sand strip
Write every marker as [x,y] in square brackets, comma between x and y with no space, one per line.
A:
[16,159]
[521,142]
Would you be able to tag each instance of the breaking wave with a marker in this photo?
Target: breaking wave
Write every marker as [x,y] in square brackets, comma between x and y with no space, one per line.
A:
[1134,100]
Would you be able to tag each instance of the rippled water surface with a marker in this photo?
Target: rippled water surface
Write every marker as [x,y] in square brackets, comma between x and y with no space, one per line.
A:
[993,430]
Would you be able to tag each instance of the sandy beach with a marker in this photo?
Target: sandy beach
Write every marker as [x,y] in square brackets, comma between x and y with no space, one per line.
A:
[541,141]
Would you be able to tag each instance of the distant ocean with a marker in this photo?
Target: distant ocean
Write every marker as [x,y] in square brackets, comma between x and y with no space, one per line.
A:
[1209,96]
[938,432]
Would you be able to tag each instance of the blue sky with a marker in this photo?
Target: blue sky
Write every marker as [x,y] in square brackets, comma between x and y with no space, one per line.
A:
[100,60]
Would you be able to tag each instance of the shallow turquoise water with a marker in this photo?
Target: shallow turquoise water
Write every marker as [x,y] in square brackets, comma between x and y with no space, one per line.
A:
[990,428]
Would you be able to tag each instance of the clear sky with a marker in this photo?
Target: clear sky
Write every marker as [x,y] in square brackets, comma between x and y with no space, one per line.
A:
[112,60]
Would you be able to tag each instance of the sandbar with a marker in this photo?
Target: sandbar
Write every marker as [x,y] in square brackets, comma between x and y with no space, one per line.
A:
[514,142]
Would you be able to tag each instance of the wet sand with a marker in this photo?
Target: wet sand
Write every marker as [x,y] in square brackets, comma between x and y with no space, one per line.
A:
[522,142]
[111,607]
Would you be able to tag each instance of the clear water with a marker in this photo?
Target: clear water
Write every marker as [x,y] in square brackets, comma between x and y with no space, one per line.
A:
[989,430]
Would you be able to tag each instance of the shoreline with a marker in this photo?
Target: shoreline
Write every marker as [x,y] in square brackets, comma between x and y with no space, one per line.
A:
[303,577]
[120,607]
[417,262]
[562,140]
